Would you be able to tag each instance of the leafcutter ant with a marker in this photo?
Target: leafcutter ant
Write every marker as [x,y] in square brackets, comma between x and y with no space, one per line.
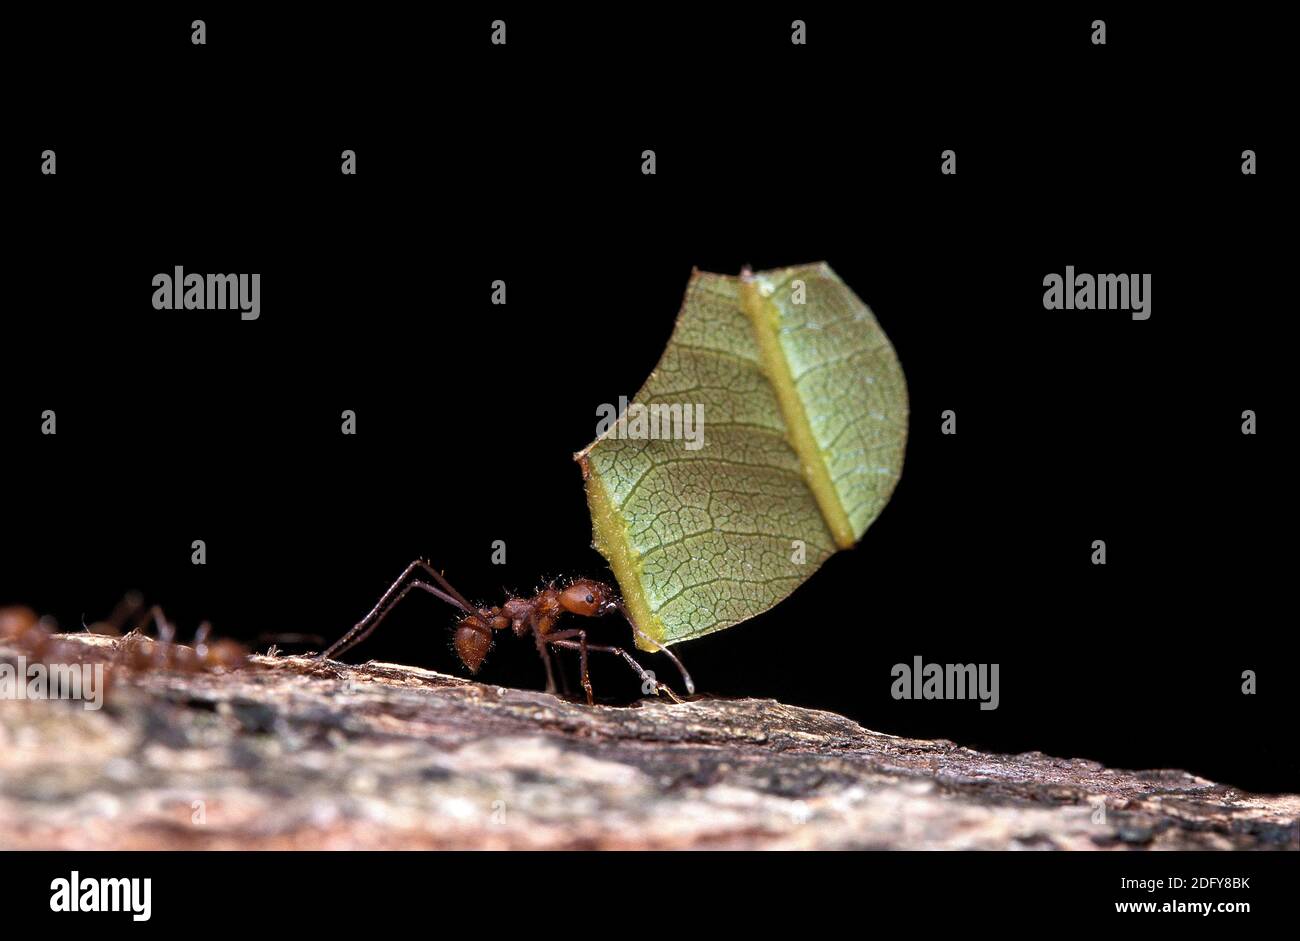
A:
[38,638]
[163,653]
[536,615]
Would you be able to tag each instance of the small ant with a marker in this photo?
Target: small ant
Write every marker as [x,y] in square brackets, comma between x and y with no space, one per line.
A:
[37,638]
[537,615]
[206,654]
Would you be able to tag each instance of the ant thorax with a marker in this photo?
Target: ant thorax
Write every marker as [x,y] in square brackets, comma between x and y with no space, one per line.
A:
[546,610]
[518,611]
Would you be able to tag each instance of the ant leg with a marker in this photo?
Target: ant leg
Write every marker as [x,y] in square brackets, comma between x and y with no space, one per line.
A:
[563,677]
[646,679]
[144,651]
[582,659]
[201,639]
[129,604]
[444,584]
[659,648]
[367,624]
[165,630]
[162,627]
[582,649]
[546,660]
[396,592]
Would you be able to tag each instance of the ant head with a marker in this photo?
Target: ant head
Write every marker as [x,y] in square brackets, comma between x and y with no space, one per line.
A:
[589,598]
[473,640]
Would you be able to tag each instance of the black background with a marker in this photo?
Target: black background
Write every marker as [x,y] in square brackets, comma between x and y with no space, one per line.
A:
[524,163]
[692,892]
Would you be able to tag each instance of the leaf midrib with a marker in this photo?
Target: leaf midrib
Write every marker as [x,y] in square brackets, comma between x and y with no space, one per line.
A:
[765,319]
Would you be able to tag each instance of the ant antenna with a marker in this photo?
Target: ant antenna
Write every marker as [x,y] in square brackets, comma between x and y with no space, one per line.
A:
[659,648]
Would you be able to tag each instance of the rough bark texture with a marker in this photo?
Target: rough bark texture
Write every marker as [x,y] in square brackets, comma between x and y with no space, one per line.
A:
[292,753]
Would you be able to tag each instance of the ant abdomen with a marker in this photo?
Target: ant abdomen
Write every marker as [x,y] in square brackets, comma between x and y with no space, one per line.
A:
[225,654]
[473,640]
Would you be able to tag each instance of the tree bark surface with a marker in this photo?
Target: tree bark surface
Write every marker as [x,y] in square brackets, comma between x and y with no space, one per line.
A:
[294,753]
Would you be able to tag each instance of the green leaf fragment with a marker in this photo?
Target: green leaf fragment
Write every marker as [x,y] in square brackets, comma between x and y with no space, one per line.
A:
[804,412]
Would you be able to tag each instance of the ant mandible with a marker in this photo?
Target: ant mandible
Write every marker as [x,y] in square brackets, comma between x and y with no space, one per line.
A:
[537,615]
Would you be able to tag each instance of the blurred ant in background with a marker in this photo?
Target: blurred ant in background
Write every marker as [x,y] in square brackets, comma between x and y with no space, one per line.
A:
[38,638]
